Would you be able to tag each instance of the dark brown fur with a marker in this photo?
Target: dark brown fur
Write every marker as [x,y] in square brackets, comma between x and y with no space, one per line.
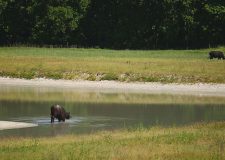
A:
[59,113]
[216,54]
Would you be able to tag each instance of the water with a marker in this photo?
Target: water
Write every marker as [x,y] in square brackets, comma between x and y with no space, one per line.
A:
[95,111]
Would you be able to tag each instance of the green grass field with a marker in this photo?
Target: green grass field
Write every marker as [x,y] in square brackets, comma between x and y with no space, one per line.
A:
[166,66]
[199,141]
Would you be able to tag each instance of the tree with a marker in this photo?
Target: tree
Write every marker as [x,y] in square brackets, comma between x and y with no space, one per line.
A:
[57,21]
[3,5]
[16,20]
[126,24]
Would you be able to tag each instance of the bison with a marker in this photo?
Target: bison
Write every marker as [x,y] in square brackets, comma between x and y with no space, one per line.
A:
[216,54]
[59,113]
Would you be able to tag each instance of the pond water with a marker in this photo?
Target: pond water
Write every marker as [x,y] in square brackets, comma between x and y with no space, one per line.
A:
[94,111]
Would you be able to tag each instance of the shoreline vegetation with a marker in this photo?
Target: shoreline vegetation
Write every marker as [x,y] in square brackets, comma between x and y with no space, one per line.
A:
[197,141]
[164,66]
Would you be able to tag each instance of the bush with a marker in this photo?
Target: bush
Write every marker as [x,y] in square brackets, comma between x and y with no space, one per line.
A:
[110,76]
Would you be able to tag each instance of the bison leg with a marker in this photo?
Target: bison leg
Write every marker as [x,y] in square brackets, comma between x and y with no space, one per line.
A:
[52,119]
[63,120]
[210,57]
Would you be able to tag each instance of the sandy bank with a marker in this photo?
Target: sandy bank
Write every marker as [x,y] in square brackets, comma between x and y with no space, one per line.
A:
[13,125]
[113,86]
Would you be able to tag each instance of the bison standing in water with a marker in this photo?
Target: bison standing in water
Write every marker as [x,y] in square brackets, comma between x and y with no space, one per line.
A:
[216,54]
[59,113]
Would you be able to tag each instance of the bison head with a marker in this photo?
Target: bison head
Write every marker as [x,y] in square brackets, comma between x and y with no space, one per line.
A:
[67,115]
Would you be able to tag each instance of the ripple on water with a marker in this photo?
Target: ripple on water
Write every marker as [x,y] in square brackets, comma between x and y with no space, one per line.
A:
[47,120]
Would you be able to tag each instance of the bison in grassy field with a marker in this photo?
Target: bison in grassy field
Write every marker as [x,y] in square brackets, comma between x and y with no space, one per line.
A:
[59,113]
[216,54]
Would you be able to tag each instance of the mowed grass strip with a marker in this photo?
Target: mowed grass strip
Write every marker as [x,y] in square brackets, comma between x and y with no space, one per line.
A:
[199,141]
[180,66]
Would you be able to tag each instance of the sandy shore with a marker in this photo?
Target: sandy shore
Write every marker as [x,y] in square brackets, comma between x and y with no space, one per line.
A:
[114,86]
[13,125]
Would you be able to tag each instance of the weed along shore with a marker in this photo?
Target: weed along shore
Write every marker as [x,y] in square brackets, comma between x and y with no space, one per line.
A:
[165,66]
[198,141]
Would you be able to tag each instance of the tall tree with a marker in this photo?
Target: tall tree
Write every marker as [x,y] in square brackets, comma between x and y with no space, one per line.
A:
[57,21]
[3,28]
[17,21]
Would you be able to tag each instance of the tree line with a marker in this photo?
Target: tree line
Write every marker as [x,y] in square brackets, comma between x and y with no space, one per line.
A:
[116,24]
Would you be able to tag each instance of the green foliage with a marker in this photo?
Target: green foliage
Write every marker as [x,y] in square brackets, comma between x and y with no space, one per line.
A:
[60,21]
[153,24]
[3,4]
[110,76]
[132,24]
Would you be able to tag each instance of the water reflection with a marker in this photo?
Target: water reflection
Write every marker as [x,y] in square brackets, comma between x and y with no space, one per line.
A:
[109,111]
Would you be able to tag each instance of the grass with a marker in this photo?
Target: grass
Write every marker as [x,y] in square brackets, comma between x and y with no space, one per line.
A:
[166,66]
[198,141]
